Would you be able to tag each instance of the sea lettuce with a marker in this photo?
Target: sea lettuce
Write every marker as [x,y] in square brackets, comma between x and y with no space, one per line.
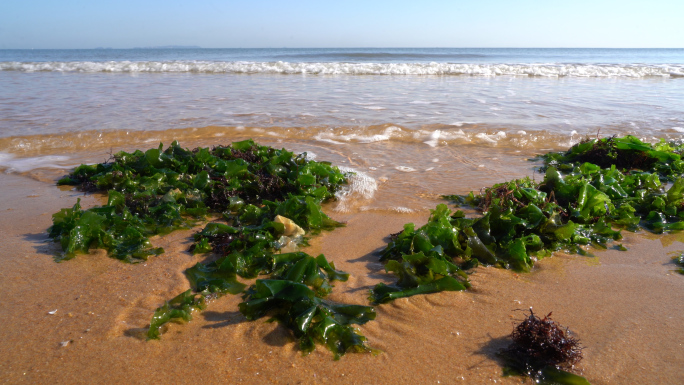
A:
[179,308]
[159,191]
[625,153]
[310,318]
[577,203]
[109,227]
[249,186]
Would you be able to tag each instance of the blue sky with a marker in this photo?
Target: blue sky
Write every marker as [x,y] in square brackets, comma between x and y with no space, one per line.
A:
[351,23]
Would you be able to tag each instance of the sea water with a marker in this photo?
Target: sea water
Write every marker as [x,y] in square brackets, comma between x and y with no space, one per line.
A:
[415,123]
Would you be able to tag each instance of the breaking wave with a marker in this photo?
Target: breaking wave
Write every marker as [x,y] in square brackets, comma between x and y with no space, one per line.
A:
[479,135]
[342,68]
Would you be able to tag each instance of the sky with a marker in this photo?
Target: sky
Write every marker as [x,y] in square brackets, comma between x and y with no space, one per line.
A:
[351,23]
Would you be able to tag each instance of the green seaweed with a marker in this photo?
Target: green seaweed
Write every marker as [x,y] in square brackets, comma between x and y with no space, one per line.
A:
[159,191]
[179,308]
[249,186]
[549,375]
[577,204]
[309,317]
[422,261]
[110,227]
[625,153]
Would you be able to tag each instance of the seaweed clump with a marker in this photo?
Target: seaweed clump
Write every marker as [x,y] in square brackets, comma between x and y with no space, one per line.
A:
[544,351]
[575,205]
[161,190]
[268,201]
[541,341]
[625,153]
[422,260]
[311,318]
[607,152]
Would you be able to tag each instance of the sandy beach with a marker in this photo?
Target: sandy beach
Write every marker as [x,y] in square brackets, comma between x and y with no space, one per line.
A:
[84,320]
[412,124]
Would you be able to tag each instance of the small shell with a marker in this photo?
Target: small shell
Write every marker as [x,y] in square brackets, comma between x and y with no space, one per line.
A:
[291,229]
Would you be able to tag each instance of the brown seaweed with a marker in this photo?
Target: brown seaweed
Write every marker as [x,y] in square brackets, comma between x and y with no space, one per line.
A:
[542,349]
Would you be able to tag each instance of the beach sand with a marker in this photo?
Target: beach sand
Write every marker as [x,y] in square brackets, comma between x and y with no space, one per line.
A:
[84,320]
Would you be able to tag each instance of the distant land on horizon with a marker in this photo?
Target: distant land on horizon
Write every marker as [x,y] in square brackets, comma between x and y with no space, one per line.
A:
[167,47]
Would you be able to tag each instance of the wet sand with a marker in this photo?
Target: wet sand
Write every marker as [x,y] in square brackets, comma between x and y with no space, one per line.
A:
[626,307]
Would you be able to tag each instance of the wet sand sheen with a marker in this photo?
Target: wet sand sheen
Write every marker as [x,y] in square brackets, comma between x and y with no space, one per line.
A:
[626,307]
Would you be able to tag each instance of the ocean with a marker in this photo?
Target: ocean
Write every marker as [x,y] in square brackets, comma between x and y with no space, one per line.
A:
[367,104]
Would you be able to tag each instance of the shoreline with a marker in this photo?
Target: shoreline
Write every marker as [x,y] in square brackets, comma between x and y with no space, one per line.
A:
[624,306]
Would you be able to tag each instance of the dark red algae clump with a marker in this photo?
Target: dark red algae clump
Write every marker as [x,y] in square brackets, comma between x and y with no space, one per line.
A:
[539,343]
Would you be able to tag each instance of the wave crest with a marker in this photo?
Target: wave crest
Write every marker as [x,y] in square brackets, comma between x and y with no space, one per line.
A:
[341,68]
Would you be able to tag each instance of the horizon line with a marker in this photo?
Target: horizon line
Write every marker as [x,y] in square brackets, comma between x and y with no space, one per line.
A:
[172,46]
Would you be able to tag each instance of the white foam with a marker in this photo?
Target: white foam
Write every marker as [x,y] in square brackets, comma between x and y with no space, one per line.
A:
[360,186]
[387,134]
[401,209]
[678,129]
[453,135]
[340,68]
[326,140]
[372,138]
[405,169]
[434,138]
[12,164]
[493,138]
